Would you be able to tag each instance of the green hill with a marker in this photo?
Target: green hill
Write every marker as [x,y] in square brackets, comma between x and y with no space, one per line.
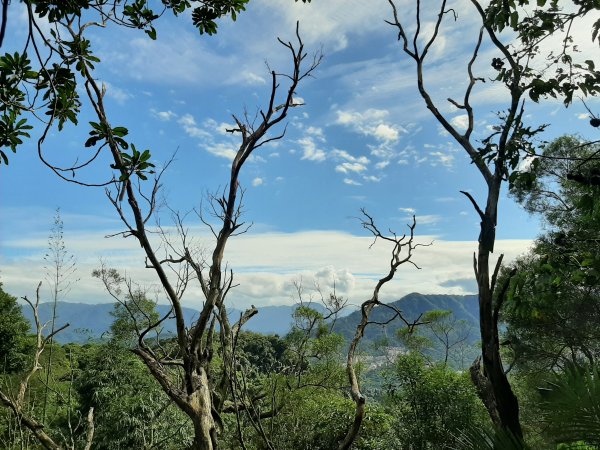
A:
[464,307]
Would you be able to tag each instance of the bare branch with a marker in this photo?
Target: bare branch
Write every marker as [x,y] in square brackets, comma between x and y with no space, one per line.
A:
[399,245]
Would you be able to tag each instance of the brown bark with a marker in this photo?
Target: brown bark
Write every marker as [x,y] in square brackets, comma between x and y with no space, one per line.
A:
[507,404]
[200,403]
[484,390]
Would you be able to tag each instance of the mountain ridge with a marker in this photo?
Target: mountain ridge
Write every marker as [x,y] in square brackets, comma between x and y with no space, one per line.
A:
[89,322]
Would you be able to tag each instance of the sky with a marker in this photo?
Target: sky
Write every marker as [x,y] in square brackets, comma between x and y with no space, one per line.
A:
[363,139]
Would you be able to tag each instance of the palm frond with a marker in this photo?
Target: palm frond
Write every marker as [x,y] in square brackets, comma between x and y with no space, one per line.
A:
[571,402]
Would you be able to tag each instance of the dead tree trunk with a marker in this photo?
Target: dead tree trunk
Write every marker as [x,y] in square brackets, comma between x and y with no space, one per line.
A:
[184,375]
[494,161]
[402,251]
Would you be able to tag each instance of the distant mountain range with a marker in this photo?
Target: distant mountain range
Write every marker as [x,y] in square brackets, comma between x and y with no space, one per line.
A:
[91,322]
[464,307]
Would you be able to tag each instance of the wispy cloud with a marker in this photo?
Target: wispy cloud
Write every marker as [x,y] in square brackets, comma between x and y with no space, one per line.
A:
[189,125]
[119,95]
[222,150]
[322,257]
[370,123]
[351,182]
[344,155]
[348,167]
[310,151]
[164,116]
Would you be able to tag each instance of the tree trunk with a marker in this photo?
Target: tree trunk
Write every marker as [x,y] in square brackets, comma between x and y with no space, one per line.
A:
[200,402]
[506,402]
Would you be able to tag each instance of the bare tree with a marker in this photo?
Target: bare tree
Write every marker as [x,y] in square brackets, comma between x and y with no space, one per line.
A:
[402,251]
[498,156]
[494,174]
[184,374]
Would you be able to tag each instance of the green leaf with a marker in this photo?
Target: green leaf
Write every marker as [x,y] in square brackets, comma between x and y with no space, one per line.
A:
[120,131]
[152,33]
[514,19]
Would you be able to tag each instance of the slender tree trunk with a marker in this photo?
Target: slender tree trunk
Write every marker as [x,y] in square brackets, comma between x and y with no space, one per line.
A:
[506,402]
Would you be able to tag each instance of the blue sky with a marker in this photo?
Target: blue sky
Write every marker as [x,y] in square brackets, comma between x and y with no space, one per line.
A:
[363,139]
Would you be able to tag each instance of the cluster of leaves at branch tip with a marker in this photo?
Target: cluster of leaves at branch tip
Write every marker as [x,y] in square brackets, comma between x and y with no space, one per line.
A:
[137,162]
[568,78]
[13,70]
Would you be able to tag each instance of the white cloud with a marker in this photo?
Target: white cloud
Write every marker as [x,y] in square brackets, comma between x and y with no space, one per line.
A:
[310,151]
[220,128]
[331,23]
[330,277]
[461,122]
[370,123]
[442,158]
[315,131]
[350,167]
[385,132]
[342,154]
[179,57]
[265,277]
[407,210]
[351,182]
[252,78]
[258,181]
[116,93]
[189,125]
[164,116]
[222,150]
[382,165]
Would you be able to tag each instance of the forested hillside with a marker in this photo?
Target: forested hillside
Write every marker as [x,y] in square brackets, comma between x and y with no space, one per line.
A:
[92,322]
[463,308]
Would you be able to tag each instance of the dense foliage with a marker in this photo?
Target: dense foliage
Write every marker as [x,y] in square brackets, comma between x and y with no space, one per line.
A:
[15,344]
